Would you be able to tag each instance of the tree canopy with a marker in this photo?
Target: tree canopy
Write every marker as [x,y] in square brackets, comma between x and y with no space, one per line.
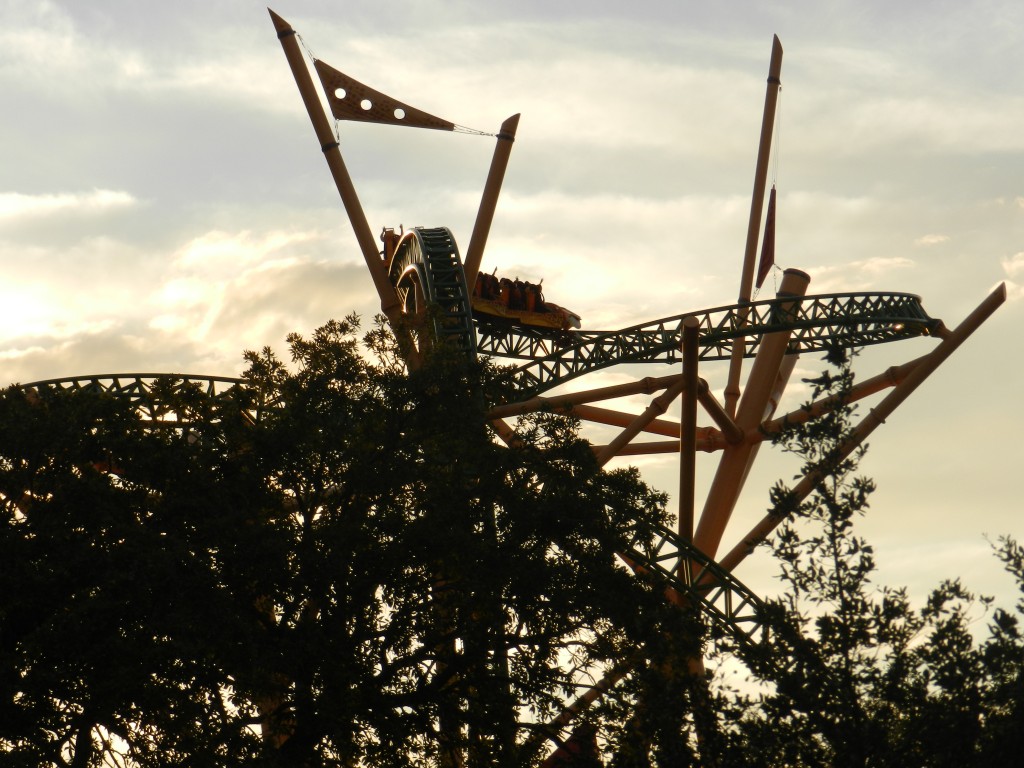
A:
[856,675]
[340,565]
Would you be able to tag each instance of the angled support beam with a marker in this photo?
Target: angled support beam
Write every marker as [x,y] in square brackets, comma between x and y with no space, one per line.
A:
[922,369]
[389,302]
[506,433]
[489,200]
[717,413]
[708,440]
[647,385]
[617,419]
[657,407]
[888,378]
[771,98]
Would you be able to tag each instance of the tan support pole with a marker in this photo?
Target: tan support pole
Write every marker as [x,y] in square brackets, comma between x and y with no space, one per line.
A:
[890,377]
[688,428]
[618,419]
[389,302]
[734,464]
[771,98]
[658,406]
[647,385]
[785,371]
[489,200]
[875,418]
[506,433]
[708,440]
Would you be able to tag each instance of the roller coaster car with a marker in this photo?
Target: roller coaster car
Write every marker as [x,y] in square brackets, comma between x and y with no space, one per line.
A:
[501,300]
[425,267]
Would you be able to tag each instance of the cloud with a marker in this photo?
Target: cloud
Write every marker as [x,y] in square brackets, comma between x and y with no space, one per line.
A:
[1014,269]
[59,52]
[926,240]
[856,275]
[14,205]
[1014,266]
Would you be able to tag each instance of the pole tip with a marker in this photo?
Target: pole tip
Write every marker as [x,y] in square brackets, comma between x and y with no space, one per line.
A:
[1000,292]
[279,24]
[510,124]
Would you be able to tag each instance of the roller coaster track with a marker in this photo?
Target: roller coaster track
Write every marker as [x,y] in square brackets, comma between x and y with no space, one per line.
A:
[152,394]
[819,323]
[824,322]
[728,605]
[430,258]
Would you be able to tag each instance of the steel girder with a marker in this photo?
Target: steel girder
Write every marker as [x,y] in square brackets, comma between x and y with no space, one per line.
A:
[149,393]
[728,604]
[826,322]
[434,256]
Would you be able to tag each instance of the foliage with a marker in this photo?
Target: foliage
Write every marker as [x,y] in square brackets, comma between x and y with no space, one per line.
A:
[856,675]
[338,566]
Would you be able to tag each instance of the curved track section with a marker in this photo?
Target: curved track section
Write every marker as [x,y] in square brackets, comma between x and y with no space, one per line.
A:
[427,271]
[151,394]
[819,323]
[730,606]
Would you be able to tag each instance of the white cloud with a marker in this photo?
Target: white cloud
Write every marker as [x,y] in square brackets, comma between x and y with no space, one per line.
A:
[926,240]
[856,275]
[1014,269]
[14,205]
[48,52]
[1014,266]
[218,252]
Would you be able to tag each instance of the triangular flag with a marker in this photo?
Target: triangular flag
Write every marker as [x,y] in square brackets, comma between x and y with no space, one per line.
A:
[351,100]
[768,243]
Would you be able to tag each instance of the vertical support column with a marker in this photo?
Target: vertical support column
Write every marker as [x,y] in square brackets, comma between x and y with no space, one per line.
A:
[771,97]
[489,200]
[389,302]
[688,428]
[734,464]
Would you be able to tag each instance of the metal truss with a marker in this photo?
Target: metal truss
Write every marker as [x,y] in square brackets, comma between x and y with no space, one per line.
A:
[730,606]
[151,394]
[825,322]
[434,256]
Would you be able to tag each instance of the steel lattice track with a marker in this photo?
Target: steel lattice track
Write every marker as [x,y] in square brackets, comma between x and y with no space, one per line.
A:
[151,394]
[435,255]
[819,323]
[723,599]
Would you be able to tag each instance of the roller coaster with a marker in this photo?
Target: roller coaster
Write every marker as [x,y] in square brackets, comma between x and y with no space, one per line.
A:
[424,282]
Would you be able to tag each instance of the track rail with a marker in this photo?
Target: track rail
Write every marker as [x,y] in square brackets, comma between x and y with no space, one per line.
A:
[151,394]
[823,322]
[430,257]
[725,601]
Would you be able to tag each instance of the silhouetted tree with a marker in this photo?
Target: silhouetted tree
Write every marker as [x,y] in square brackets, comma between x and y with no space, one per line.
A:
[855,675]
[337,566]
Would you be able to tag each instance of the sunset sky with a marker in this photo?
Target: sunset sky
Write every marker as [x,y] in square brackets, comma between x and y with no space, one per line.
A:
[164,204]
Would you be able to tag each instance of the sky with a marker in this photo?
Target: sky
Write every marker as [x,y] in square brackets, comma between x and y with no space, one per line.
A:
[164,204]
